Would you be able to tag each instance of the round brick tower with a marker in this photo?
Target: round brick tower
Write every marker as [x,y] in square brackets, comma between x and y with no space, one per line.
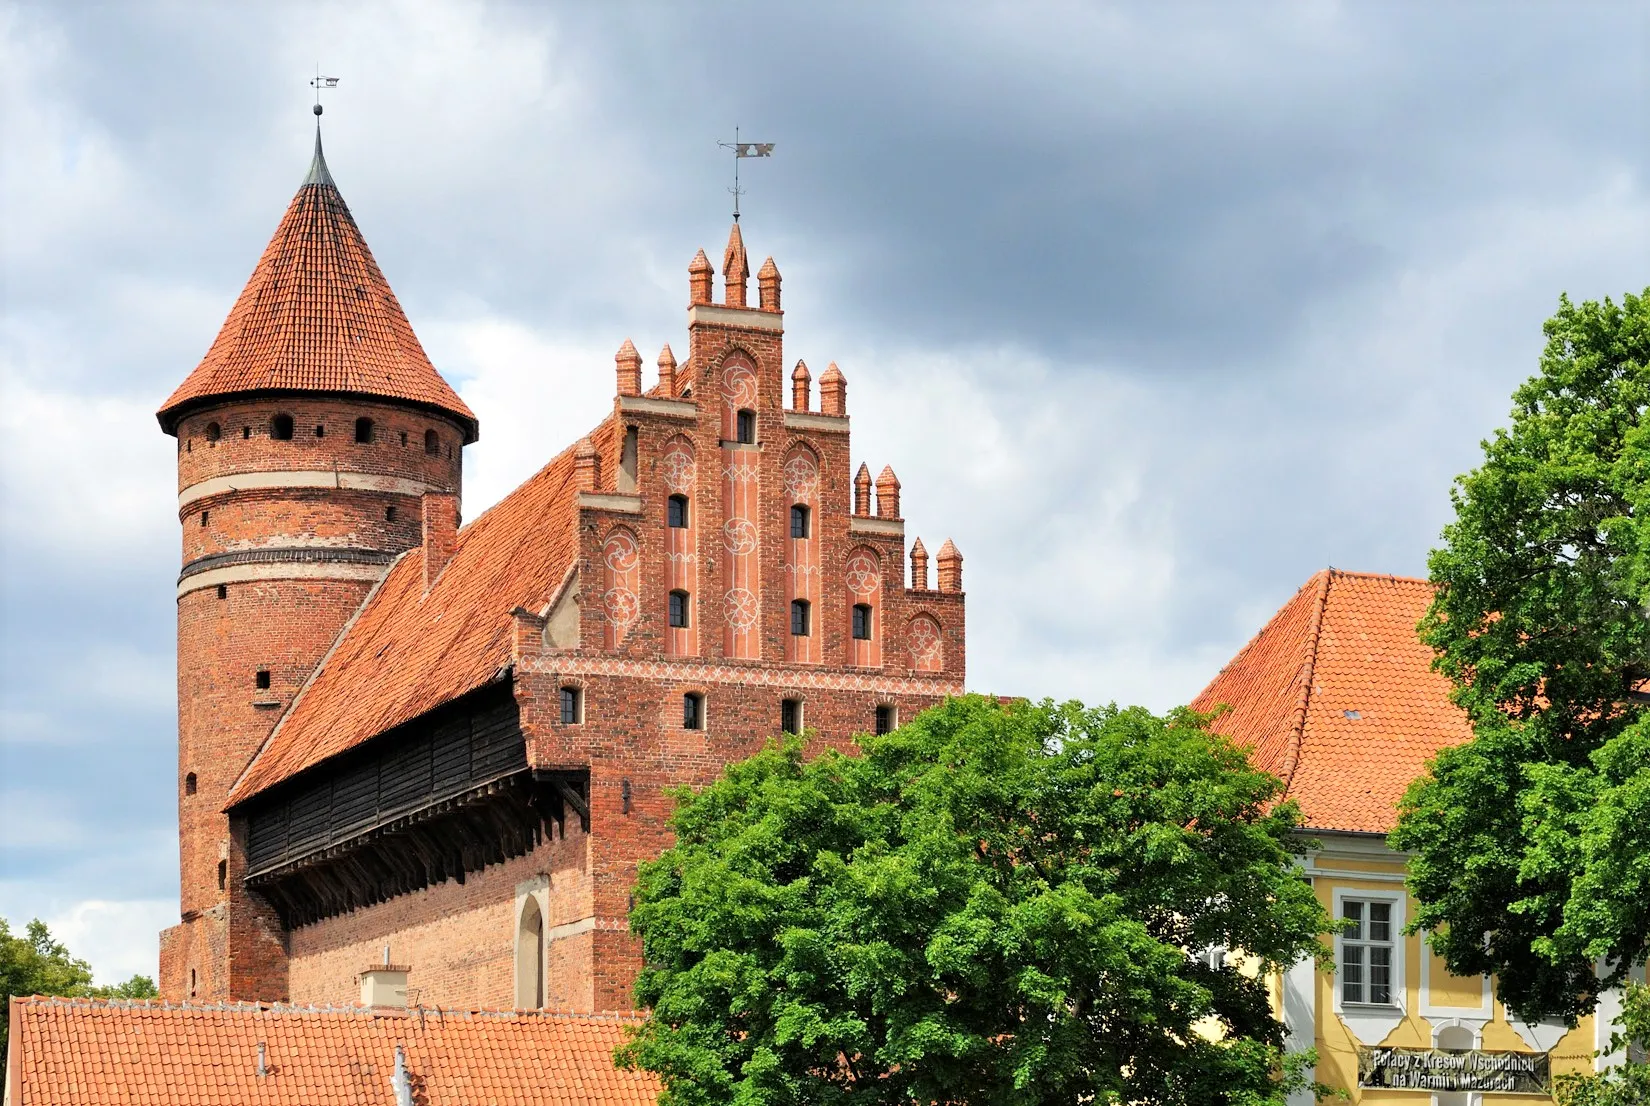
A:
[306,438]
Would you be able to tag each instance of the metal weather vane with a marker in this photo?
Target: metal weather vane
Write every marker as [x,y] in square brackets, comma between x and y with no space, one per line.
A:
[743,150]
[319,82]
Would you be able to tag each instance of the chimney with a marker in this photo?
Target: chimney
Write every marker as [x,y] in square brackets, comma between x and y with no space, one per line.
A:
[629,368]
[833,391]
[767,286]
[667,372]
[586,466]
[440,533]
[526,634]
[919,566]
[700,275]
[950,566]
[800,379]
[887,493]
[384,985]
[400,1083]
[862,490]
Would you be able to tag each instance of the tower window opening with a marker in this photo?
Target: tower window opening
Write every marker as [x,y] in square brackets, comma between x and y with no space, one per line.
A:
[627,461]
[744,427]
[799,521]
[204,516]
[280,428]
[191,982]
[862,622]
[189,784]
[624,795]
[389,514]
[790,716]
[223,591]
[679,606]
[223,874]
[246,432]
[799,618]
[693,711]
[676,512]
[320,431]
[363,431]
[263,679]
[887,719]
[189,446]
[403,437]
[572,706]
[213,432]
[432,442]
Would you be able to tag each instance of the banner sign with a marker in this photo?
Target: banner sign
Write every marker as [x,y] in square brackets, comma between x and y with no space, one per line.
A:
[1447,1069]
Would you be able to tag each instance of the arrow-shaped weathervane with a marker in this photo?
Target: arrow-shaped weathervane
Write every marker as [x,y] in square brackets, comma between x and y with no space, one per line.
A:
[743,150]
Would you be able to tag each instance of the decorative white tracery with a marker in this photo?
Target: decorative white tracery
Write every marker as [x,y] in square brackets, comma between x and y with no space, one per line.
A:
[739,535]
[801,478]
[620,552]
[740,471]
[740,605]
[923,636]
[863,575]
[678,469]
[622,606]
[739,384]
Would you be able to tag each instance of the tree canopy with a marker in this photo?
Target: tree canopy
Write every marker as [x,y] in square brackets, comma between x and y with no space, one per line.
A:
[994,903]
[34,963]
[1531,842]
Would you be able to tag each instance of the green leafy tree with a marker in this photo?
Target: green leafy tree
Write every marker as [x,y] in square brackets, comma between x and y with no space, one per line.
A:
[992,904]
[34,963]
[1531,842]
[1628,1083]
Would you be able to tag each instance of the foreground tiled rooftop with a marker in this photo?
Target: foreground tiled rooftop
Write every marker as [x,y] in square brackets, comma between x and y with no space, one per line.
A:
[90,1052]
[1336,695]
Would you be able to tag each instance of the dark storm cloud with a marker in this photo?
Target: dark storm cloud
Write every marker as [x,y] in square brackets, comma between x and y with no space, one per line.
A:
[1155,308]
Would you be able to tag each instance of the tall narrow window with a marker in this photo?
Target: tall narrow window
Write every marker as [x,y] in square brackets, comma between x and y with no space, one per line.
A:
[572,706]
[223,591]
[189,784]
[693,711]
[799,618]
[676,512]
[887,721]
[432,442]
[204,516]
[280,428]
[862,621]
[790,716]
[744,425]
[627,462]
[223,874]
[799,521]
[363,431]
[530,956]
[1366,952]
[679,606]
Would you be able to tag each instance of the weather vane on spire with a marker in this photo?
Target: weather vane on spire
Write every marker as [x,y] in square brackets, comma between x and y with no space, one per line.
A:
[318,83]
[740,150]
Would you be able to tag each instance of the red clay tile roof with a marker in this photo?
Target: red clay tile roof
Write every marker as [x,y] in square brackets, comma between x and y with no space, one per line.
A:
[1336,695]
[90,1052]
[317,315]
[407,652]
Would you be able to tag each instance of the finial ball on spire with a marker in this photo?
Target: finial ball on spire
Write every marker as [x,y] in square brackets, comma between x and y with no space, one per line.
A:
[317,109]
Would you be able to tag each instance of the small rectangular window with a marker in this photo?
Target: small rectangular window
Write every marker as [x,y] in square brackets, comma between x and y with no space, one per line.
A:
[572,706]
[263,679]
[886,720]
[790,716]
[693,711]
[204,516]
[223,874]
[862,622]
[799,618]
[677,512]
[679,606]
[1367,952]
[799,521]
[745,427]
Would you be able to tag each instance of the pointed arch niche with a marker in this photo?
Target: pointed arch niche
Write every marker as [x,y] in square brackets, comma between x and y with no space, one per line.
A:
[530,955]
[802,549]
[676,465]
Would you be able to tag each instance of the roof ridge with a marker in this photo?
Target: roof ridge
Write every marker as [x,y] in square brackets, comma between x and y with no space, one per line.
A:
[1309,663]
[1379,576]
[93,1002]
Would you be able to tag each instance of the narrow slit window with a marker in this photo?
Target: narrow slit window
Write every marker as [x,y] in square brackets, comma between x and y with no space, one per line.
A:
[799,618]
[862,622]
[403,437]
[676,512]
[799,521]
[679,610]
[189,784]
[205,515]
[223,874]
[790,716]
[432,442]
[363,431]
[280,428]
[693,711]
[246,432]
[572,706]
[389,514]
[887,721]
[263,679]
[744,427]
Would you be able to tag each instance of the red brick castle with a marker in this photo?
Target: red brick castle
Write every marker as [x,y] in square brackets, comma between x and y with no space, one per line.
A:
[400,739]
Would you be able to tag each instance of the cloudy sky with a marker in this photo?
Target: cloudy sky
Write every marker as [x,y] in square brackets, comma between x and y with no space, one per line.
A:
[1155,308]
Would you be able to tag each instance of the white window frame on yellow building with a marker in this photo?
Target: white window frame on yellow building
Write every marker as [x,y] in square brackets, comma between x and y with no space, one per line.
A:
[1371,1022]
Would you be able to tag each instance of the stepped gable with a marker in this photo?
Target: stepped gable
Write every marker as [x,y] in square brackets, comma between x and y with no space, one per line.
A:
[96,1051]
[408,652]
[317,315]
[1336,695]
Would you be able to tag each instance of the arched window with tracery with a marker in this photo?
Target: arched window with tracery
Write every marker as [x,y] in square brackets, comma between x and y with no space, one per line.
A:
[741,578]
[801,471]
[681,539]
[863,575]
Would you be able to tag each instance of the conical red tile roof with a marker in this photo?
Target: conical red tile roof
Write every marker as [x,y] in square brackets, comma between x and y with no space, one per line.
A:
[317,315]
